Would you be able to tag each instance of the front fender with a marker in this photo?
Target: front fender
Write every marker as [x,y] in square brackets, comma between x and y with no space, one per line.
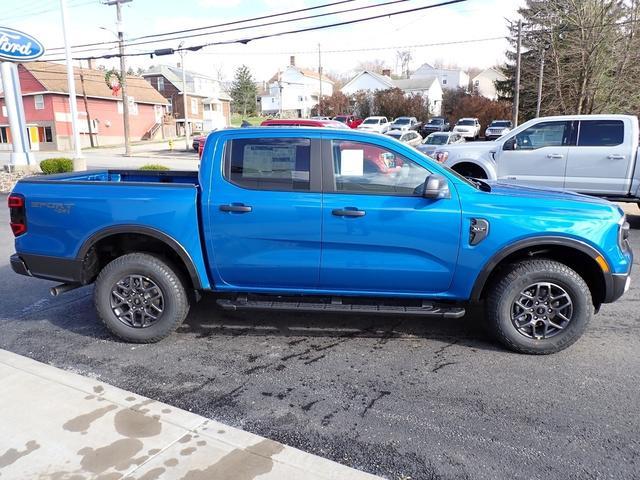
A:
[488,166]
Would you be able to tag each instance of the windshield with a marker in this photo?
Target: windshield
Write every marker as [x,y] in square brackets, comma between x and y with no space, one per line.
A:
[401,121]
[436,140]
[503,124]
[436,121]
[371,121]
[341,119]
[466,122]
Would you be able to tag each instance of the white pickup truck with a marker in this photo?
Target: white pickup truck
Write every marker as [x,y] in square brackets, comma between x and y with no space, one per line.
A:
[592,154]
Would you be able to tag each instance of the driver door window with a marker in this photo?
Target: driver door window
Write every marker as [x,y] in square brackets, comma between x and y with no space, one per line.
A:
[546,134]
[366,168]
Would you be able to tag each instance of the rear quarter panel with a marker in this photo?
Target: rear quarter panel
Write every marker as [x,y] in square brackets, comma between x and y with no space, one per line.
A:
[62,216]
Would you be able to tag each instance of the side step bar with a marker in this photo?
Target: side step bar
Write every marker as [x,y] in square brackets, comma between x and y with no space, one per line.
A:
[427,309]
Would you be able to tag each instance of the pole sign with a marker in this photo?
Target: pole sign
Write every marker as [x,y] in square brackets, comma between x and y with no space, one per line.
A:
[17,46]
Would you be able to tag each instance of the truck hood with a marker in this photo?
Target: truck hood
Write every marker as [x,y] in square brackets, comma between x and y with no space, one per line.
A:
[477,146]
[507,189]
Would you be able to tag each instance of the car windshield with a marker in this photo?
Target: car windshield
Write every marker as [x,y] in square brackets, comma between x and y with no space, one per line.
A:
[401,121]
[436,121]
[436,140]
[371,121]
[465,122]
[341,119]
[504,124]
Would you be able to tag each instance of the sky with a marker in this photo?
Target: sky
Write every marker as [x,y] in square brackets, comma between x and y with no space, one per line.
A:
[469,22]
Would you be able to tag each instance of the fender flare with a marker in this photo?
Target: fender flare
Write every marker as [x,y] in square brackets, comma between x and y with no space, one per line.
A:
[540,241]
[143,230]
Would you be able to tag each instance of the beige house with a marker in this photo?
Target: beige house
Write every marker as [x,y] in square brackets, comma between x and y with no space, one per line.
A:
[484,83]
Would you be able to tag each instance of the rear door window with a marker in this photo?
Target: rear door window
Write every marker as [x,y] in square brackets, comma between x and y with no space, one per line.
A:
[282,164]
[600,133]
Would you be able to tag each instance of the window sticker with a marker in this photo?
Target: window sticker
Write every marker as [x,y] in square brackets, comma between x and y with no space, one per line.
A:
[352,162]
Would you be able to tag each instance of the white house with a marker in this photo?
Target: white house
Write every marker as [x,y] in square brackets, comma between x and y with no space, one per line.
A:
[294,91]
[484,83]
[427,86]
[449,78]
[369,82]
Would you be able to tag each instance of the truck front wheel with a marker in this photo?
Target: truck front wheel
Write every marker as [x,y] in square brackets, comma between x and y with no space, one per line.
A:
[140,298]
[539,307]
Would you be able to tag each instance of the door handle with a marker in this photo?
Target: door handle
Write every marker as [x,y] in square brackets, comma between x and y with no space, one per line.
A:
[236,208]
[555,156]
[615,156]
[348,212]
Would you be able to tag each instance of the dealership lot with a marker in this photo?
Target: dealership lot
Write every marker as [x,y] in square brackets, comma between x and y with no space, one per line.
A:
[402,398]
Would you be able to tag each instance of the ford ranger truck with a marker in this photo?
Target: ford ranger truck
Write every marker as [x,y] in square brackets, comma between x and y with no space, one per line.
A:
[591,154]
[323,220]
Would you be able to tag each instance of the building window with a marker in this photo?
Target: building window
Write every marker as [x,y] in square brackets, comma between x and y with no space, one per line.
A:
[194,106]
[45,135]
[477,83]
[444,81]
[160,83]
[170,106]
[4,135]
[206,107]
[39,101]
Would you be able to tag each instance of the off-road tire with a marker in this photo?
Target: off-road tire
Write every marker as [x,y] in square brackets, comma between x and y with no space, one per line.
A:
[164,275]
[512,280]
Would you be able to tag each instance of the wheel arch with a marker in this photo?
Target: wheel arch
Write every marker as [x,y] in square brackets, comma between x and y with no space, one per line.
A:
[576,254]
[130,238]
[487,168]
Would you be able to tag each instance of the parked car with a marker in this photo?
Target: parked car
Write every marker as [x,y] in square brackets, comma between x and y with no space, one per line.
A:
[375,124]
[368,225]
[591,154]
[437,139]
[497,128]
[436,124]
[469,128]
[406,136]
[320,117]
[405,123]
[301,122]
[195,143]
[350,121]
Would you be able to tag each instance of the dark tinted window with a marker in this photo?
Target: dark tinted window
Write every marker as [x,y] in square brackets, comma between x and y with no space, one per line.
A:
[544,134]
[600,133]
[269,163]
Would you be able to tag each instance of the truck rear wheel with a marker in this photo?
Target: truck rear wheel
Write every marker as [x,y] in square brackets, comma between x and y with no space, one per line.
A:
[539,307]
[140,298]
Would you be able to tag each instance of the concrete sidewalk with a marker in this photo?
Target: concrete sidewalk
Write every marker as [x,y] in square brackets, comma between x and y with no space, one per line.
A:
[56,425]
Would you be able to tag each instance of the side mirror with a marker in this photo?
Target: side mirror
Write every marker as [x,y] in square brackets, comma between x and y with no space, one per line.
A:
[510,144]
[436,187]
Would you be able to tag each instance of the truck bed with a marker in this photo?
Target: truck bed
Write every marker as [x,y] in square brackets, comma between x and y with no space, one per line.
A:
[120,176]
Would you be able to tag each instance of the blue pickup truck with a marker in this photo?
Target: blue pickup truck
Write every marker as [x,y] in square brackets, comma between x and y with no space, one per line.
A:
[323,220]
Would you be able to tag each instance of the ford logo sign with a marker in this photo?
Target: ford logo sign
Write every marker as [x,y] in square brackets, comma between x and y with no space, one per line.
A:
[18,46]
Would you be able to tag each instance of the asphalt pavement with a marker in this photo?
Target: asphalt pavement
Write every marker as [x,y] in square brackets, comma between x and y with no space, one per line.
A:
[398,397]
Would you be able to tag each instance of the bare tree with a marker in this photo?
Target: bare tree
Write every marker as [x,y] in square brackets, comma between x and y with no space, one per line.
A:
[404,58]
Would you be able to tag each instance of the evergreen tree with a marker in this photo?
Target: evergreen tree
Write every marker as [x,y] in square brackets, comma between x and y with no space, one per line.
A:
[591,51]
[244,91]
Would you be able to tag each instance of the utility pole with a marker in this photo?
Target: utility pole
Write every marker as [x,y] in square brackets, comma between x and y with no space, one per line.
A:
[184,99]
[516,88]
[541,76]
[78,162]
[123,74]
[320,77]
[86,109]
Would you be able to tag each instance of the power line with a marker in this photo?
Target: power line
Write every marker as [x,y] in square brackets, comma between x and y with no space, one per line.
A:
[269,24]
[244,41]
[34,13]
[226,24]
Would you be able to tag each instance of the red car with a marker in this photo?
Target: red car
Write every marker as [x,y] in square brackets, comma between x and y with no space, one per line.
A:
[350,121]
[301,122]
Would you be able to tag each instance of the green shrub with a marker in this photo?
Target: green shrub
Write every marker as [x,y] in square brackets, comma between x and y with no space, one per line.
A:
[153,166]
[56,165]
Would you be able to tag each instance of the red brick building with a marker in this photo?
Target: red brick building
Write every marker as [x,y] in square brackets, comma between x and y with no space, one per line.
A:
[45,97]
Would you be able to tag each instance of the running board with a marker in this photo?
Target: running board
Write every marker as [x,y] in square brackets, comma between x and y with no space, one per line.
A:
[426,310]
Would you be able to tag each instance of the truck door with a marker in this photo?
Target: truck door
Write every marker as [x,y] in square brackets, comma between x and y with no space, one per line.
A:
[264,211]
[602,160]
[379,234]
[536,156]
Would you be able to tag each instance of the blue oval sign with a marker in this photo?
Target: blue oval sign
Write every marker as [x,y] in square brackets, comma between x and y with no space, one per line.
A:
[18,46]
